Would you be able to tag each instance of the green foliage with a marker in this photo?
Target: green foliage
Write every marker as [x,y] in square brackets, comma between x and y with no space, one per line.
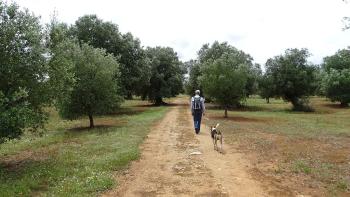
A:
[90,29]
[320,74]
[56,33]
[254,74]
[266,87]
[208,54]
[16,115]
[23,72]
[337,78]
[224,79]
[166,74]
[339,61]
[194,72]
[62,69]
[337,86]
[132,66]
[293,77]
[216,50]
[94,89]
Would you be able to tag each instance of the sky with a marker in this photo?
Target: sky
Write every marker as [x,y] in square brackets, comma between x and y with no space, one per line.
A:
[262,28]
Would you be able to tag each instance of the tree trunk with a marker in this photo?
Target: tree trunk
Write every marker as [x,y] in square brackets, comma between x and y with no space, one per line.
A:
[267,100]
[344,104]
[144,96]
[129,96]
[159,101]
[297,106]
[226,112]
[91,121]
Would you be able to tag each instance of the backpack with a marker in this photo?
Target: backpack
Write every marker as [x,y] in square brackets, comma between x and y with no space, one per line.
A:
[197,105]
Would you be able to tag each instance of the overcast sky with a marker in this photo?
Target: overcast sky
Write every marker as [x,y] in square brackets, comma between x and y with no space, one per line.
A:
[262,28]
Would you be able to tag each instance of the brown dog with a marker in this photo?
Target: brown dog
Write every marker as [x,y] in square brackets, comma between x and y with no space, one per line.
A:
[216,135]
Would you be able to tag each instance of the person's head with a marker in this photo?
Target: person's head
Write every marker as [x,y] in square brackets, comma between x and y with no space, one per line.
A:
[197,92]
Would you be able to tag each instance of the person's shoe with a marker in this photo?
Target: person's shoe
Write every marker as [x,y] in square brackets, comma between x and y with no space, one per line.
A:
[197,131]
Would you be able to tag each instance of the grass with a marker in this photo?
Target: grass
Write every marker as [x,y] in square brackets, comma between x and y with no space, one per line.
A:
[71,160]
[314,145]
[277,117]
[302,166]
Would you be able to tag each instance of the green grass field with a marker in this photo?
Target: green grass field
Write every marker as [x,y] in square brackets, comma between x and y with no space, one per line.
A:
[71,160]
[276,117]
[308,150]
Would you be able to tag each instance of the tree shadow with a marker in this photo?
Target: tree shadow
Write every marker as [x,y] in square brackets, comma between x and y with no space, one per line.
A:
[14,168]
[242,108]
[163,105]
[97,127]
[128,111]
[335,106]
[240,119]
[176,104]
[102,126]
[15,171]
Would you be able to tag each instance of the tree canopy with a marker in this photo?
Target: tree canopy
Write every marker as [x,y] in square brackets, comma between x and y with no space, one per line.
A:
[166,74]
[94,31]
[293,77]
[337,78]
[94,89]
[192,83]
[209,53]
[224,73]
[23,72]
[266,87]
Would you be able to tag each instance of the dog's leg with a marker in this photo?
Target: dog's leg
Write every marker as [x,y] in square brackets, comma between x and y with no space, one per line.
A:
[221,143]
[217,143]
[214,142]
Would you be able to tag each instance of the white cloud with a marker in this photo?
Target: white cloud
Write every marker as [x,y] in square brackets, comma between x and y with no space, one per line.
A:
[262,28]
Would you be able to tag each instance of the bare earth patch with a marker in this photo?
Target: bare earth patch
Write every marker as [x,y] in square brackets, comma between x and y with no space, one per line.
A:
[297,165]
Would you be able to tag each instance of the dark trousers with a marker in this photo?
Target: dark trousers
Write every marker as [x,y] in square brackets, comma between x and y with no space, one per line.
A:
[197,118]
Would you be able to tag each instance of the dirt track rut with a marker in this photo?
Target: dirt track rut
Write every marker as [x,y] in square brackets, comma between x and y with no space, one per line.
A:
[167,168]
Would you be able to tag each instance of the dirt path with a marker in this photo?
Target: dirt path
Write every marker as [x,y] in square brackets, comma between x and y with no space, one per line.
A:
[167,167]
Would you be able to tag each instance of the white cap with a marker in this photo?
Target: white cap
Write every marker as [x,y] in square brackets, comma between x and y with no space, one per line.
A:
[197,92]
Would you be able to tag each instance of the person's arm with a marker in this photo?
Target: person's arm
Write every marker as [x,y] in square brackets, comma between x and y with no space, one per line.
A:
[203,105]
[191,105]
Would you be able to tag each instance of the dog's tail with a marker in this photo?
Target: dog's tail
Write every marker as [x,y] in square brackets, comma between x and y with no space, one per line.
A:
[217,125]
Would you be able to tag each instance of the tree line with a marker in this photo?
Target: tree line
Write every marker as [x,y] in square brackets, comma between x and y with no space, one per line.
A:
[84,69]
[228,76]
[90,67]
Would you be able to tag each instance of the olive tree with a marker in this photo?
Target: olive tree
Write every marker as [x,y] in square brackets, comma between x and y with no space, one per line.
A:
[101,34]
[94,88]
[293,77]
[266,87]
[210,53]
[166,74]
[193,74]
[224,77]
[23,72]
[337,77]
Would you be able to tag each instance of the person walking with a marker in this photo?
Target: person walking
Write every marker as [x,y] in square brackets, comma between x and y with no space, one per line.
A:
[197,109]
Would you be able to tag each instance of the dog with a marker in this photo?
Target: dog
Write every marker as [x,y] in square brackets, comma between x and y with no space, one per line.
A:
[216,135]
